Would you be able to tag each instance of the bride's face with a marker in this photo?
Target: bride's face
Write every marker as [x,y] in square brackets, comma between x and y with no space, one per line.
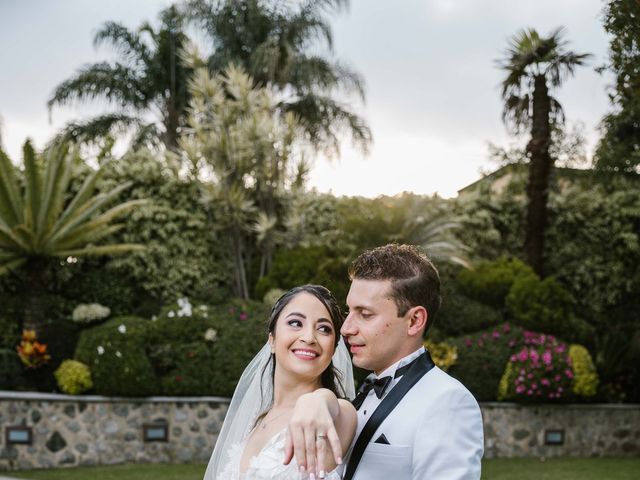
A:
[304,338]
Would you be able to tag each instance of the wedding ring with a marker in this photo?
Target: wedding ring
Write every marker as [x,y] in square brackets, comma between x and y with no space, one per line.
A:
[321,436]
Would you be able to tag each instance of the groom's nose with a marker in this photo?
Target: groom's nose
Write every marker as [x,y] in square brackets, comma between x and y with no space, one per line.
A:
[348,326]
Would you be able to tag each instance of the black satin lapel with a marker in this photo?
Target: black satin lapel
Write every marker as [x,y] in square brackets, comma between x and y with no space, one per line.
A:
[422,365]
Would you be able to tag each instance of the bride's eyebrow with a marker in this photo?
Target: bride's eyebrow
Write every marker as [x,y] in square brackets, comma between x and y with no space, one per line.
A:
[297,314]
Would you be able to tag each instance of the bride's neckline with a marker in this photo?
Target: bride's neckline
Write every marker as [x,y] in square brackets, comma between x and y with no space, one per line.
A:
[251,459]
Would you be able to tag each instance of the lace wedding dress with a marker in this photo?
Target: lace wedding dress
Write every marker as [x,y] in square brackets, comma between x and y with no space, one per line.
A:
[267,465]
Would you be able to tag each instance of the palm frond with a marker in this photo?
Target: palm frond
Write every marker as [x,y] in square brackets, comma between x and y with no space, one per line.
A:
[128,44]
[11,207]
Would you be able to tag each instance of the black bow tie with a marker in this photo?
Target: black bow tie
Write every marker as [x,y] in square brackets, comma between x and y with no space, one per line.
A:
[379,385]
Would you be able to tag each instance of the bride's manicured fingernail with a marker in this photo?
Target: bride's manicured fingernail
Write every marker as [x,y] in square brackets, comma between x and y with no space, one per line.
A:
[312,476]
[339,460]
[321,474]
[301,468]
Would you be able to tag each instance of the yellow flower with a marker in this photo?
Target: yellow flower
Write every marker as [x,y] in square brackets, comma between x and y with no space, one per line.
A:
[443,354]
[29,335]
[585,376]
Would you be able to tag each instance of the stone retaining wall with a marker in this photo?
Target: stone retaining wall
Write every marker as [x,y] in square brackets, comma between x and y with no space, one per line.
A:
[91,430]
[513,430]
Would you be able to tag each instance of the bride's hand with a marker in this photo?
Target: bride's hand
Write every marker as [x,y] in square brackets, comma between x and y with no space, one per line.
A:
[313,415]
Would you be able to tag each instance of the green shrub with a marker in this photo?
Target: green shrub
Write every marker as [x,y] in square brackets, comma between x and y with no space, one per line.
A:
[11,371]
[115,352]
[302,265]
[461,315]
[490,282]
[73,377]
[203,350]
[482,358]
[541,305]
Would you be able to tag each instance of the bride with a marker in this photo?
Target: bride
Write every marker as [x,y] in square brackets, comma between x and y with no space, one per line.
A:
[304,356]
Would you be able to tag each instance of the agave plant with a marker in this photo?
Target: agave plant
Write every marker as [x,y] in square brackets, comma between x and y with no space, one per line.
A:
[39,219]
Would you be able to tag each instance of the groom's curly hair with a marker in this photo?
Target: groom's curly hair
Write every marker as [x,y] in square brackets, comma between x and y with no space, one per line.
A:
[414,279]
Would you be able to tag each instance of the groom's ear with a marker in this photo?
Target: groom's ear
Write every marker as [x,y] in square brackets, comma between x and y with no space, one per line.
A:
[418,318]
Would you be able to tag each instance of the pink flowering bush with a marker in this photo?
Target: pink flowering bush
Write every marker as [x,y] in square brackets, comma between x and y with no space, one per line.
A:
[540,371]
[482,357]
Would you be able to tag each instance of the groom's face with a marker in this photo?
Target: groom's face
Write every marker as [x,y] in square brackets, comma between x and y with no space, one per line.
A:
[376,335]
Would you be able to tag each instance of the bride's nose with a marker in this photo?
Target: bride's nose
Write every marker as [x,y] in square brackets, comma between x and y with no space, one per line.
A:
[308,335]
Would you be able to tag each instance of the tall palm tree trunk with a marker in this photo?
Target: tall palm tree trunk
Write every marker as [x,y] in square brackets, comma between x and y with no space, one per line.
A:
[539,172]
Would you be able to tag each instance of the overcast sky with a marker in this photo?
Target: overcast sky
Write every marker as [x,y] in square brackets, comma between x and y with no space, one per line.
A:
[433,99]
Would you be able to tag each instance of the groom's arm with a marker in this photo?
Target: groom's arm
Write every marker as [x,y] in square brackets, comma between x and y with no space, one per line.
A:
[449,443]
[321,413]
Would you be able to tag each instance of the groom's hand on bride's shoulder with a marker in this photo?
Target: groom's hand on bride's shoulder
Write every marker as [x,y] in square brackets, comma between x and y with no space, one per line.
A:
[312,432]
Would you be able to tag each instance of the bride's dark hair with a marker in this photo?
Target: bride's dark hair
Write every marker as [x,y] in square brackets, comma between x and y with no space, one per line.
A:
[331,378]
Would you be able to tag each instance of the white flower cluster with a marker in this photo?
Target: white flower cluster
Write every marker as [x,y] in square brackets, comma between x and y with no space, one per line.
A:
[87,313]
[211,335]
[184,309]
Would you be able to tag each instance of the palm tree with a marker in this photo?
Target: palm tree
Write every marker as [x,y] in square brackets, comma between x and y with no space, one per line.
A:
[271,41]
[148,78]
[534,64]
[39,221]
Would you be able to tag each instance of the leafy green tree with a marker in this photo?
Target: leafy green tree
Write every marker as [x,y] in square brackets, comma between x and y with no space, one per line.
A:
[149,77]
[39,222]
[185,252]
[533,64]
[619,148]
[273,40]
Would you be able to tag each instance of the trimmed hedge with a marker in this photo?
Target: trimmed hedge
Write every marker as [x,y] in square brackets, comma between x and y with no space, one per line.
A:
[115,352]
[11,370]
[204,350]
[461,315]
[490,282]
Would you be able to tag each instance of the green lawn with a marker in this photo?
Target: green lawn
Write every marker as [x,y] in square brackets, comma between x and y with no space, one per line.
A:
[562,469]
[520,469]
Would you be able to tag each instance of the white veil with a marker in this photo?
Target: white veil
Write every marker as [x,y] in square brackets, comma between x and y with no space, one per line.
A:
[253,395]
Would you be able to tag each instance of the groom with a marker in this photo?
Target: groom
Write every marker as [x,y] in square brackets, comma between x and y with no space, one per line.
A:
[414,420]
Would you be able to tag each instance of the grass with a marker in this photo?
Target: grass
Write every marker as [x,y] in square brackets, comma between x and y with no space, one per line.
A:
[562,469]
[503,469]
[118,472]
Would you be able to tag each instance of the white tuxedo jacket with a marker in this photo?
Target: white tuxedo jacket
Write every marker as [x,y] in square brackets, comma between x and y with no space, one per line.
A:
[434,433]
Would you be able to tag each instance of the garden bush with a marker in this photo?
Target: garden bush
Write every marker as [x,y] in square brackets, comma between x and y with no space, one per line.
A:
[443,354]
[482,358]
[302,265]
[540,371]
[490,282]
[203,350]
[544,306]
[73,377]
[585,376]
[115,352]
[11,369]
[9,329]
[461,315]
